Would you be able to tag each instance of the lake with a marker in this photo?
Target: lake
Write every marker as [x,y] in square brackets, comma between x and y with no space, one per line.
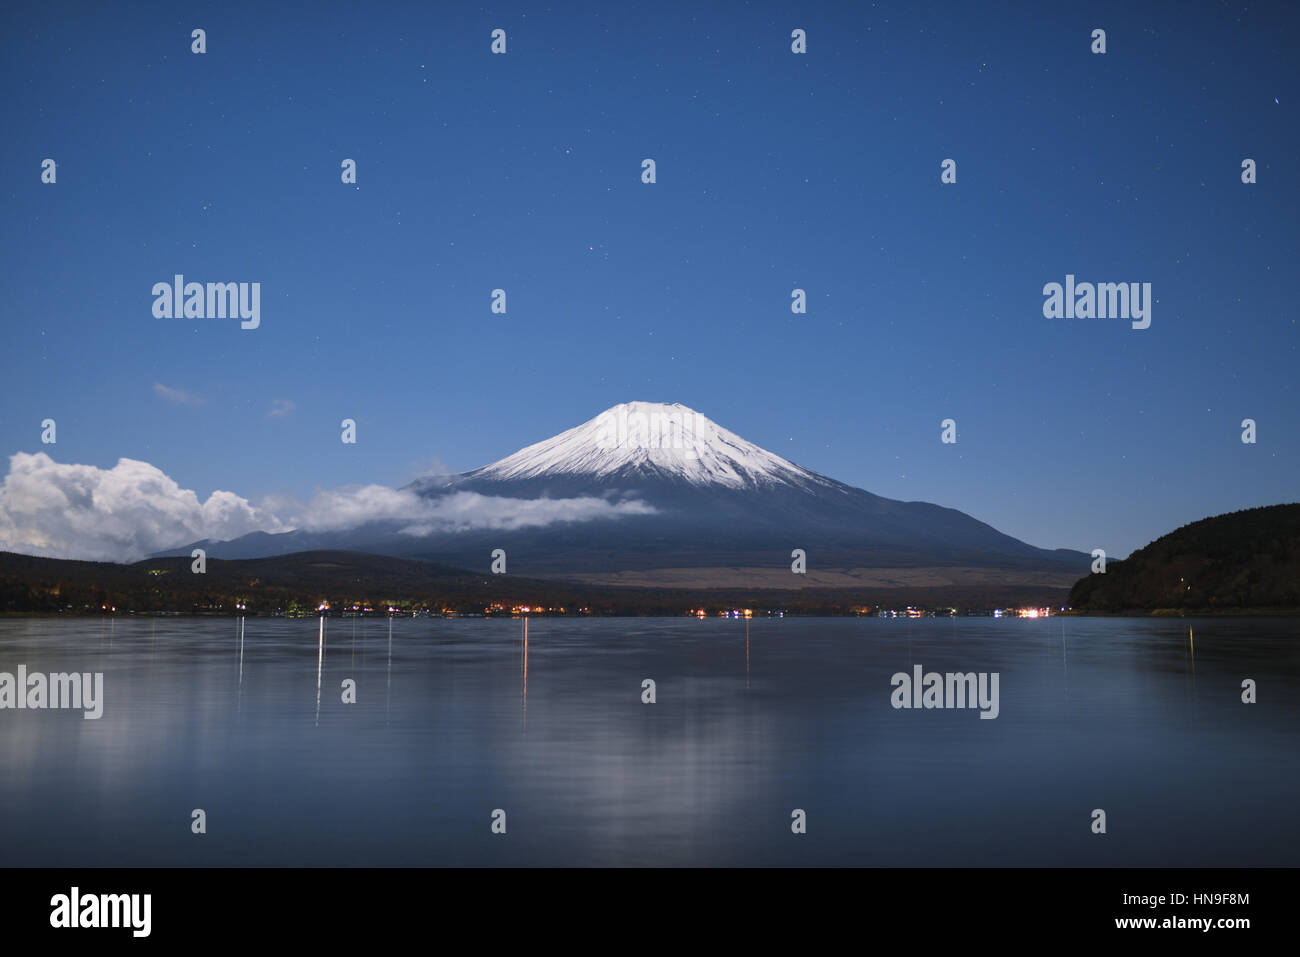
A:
[751,721]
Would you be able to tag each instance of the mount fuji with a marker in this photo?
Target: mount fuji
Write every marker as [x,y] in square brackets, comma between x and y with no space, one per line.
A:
[681,500]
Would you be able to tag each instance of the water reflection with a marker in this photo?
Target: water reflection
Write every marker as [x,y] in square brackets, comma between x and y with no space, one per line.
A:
[707,775]
[320,665]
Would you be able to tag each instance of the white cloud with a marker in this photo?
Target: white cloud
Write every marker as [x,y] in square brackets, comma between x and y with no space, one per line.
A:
[176,396]
[134,509]
[343,508]
[120,514]
[463,511]
[280,408]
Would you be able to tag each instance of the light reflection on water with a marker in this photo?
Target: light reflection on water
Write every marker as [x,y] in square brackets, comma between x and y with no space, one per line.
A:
[752,720]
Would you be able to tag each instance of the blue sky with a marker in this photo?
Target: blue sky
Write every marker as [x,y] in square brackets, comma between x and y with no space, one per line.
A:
[774,171]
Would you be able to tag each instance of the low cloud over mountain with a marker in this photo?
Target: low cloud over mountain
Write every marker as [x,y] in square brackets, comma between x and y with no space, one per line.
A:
[135,509]
[641,486]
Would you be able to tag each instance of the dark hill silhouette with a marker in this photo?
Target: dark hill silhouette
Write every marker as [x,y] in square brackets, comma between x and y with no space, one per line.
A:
[1238,561]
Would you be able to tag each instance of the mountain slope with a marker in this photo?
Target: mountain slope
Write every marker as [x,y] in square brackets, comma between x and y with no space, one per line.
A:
[706,498]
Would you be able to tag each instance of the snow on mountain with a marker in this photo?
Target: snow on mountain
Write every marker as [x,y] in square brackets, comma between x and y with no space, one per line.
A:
[652,439]
[648,485]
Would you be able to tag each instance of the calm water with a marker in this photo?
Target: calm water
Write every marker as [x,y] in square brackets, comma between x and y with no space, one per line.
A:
[1102,713]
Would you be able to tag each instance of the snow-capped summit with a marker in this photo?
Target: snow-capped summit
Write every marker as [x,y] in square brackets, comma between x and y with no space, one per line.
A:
[651,439]
[651,485]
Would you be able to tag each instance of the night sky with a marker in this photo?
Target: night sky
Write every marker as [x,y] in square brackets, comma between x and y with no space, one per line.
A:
[775,171]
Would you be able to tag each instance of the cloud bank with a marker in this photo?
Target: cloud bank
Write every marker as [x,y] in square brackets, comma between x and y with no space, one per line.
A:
[336,510]
[134,509]
[118,514]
